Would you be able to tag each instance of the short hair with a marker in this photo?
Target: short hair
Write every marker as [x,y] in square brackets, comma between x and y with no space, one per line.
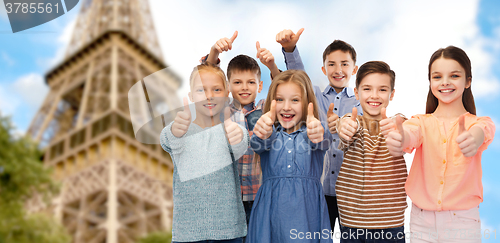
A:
[242,63]
[207,67]
[459,55]
[342,46]
[301,79]
[375,67]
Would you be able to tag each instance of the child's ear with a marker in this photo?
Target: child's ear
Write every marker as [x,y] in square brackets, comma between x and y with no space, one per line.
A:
[356,93]
[323,69]
[355,70]
[261,85]
[190,97]
[468,82]
[392,95]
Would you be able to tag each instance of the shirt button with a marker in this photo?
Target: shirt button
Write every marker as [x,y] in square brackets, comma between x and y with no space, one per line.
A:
[441,182]
[289,151]
[444,161]
[334,140]
[335,108]
[439,202]
[333,172]
[444,140]
[289,138]
[288,166]
[334,155]
[338,98]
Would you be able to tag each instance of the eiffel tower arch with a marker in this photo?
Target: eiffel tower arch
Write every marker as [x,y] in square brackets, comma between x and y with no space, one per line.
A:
[114,188]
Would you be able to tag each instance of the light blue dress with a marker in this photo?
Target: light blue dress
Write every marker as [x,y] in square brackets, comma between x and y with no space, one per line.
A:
[290,200]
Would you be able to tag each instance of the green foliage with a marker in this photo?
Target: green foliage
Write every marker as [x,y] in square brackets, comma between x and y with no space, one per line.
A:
[157,237]
[21,174]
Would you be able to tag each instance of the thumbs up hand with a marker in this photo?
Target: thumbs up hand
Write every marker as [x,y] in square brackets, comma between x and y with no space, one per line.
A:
[349,126]
[288,39]
[315,130]
[386,124]
[264,126]
[233,131]
[332,119]
[466,141]
[225,44]
[395,139]
[182,120]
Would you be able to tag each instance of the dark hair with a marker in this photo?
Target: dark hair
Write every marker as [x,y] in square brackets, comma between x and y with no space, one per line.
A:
[459,55]
[242,63]
[339,45]
[375,67]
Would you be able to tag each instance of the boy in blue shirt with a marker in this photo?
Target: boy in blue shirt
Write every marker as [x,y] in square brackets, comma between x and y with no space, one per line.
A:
[339,64]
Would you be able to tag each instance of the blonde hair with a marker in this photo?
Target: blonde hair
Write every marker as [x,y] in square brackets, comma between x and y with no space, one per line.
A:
[207,67]
[301,79]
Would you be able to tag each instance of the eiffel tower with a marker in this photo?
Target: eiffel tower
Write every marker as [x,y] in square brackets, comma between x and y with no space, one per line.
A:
[114,188]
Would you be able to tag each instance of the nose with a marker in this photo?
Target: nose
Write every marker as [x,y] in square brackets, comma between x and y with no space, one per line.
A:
[338,69]
[446,81]
[287,106]
[245,86]
[209,94]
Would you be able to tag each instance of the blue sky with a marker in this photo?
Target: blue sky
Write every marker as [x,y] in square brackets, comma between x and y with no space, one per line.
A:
[402,33]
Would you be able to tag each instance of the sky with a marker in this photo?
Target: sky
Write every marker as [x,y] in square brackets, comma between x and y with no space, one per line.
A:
[402,33]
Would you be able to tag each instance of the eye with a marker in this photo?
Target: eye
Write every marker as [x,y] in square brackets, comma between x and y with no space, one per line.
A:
[296,100]
[383,90]
[331,64]
[218,89]
[252,82]
[366,89]
[236,82]
[199,90]
[279,99]
[455,76]
[436,77]
[345,64]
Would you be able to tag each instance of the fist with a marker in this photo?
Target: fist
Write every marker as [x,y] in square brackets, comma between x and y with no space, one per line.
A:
[332,119]
[264,126]
[182,120]
[395,139]
[225,44]
[315,130]
[466,142]
[349,126]
[265,56]
[386,124]
[288,39]
[233,131]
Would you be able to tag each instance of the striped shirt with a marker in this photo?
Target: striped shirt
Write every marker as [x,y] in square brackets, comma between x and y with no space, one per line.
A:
[371,183]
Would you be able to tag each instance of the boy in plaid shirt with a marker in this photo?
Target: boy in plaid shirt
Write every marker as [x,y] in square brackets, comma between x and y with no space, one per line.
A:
[243,73]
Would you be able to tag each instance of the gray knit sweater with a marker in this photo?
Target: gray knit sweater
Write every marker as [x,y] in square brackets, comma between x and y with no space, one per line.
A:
[207,193]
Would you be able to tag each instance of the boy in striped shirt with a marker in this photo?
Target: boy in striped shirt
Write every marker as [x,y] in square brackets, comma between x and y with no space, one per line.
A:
[371,183]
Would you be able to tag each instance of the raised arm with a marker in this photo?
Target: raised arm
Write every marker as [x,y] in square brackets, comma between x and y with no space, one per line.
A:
[223,44]
[288,41]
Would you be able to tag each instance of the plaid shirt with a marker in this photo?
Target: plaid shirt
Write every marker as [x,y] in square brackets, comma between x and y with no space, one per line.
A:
[250,174]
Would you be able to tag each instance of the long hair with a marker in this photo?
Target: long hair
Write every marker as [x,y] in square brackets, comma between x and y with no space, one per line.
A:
[301,79]
[457,54]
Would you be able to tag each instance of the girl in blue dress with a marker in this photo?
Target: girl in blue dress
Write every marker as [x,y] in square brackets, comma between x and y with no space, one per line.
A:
[290,205]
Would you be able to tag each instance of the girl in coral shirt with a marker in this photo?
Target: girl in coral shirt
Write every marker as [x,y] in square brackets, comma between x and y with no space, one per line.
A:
[444,182]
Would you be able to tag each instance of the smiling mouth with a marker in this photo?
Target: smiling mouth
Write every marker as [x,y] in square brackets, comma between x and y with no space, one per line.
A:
[338,77]
[245,95]
[446,90]
[287,117]
[209,106]
[375,104]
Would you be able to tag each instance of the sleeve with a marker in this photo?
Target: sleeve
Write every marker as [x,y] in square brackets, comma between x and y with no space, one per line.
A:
[488,127]
[260,145]
[344,144]
[293,60]
[240,148]
[412,126]
[323,145]
[170,143]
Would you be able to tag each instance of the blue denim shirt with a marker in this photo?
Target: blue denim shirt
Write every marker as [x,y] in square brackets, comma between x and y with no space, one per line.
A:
[343,104]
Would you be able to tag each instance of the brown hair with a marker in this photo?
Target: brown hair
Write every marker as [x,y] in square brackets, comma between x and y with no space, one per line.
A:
[375,67]
[459,55]
[339,45]
[206,67]
[242,63]
[301,79]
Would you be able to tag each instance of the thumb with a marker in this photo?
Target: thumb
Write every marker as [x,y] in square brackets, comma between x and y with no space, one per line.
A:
[461,124]
[273,110]
[297,35]
[234,36]
[257,45]
[330,110]
[186,105]
[354,113]
[399,124]
[383,112]
[310,110]
[227,114]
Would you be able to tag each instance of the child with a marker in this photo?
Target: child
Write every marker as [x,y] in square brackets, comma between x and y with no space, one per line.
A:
[445,178]
[370,187]
[243,73]
[289,140]
[339,64]
[207,196]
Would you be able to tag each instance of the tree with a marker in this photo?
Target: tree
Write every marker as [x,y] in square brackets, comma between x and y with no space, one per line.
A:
[157,237]
[21,175]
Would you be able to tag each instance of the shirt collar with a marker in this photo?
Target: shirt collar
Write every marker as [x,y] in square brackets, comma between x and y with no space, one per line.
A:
[347,90]
[279,128]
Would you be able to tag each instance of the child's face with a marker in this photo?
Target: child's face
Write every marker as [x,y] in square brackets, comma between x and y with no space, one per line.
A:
[244,86]
[289,106]
[339,67]
[448,80]
[374,93]
[208,93]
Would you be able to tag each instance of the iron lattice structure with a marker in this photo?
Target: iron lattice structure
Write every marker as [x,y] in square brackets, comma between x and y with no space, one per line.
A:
[115,189]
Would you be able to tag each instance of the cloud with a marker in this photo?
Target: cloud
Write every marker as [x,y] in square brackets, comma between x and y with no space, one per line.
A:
[7,59]
[8,102]
[31,89]
[62,43]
